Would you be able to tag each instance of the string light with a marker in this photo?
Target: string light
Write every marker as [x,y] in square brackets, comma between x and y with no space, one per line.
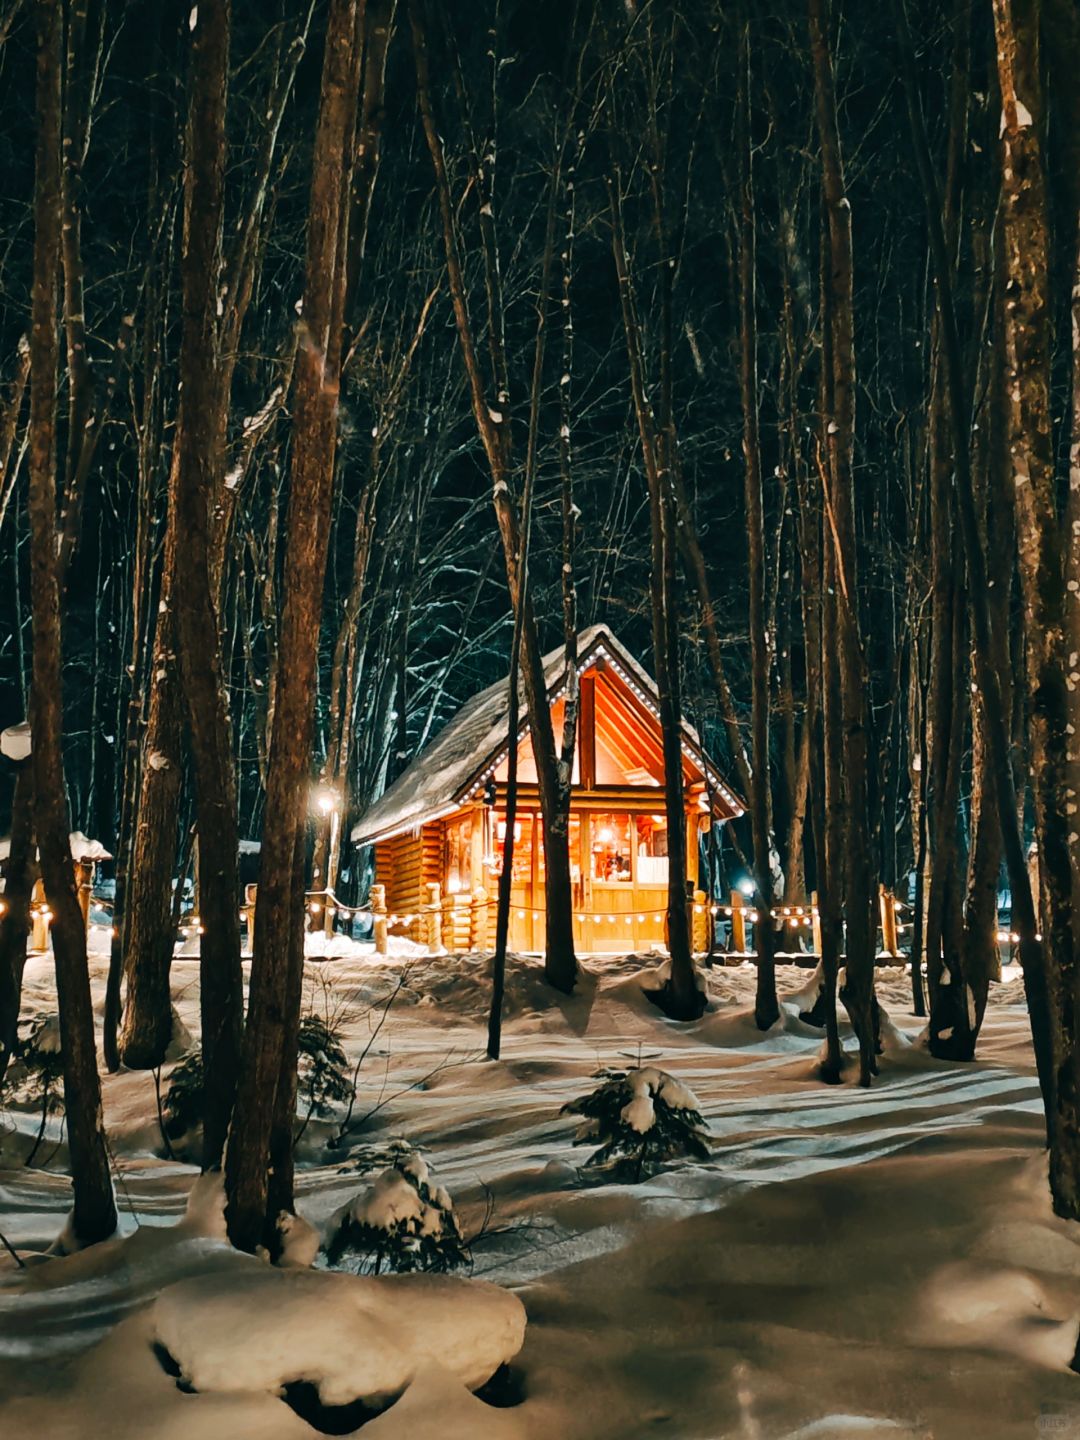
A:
[632,684]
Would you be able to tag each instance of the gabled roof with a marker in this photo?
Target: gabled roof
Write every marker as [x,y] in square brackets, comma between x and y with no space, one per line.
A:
[439,780]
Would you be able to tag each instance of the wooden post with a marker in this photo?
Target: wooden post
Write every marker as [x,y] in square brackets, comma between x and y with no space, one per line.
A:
[817,924]
[84,882]
[478,928]
[462,916]
[476,847]
[888,922]
[378,910]
[39,931]
[693,849]
[700,924]
[329,908]
[447,908]
[587,732]
[738,923]
[434,918]
[250,892]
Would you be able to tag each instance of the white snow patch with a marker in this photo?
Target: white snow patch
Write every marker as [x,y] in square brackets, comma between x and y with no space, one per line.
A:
[15,742]
[300,1241]
[353,1337]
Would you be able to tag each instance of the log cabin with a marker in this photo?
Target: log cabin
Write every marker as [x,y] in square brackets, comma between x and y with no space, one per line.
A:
[439,830]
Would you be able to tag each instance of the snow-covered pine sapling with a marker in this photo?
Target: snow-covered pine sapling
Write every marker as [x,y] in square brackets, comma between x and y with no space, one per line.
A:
[182,1109]
[323,1079]
[643,1118]
[37,1077]
[403,1221]
[323,1075]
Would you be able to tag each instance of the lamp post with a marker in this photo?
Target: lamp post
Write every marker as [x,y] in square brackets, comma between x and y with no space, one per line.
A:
[327,803]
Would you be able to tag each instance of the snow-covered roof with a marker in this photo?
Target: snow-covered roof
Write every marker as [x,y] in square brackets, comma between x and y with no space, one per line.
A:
[81,848]
[438,780]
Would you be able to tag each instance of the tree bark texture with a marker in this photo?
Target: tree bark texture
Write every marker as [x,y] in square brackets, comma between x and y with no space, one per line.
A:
[201,451]
[94,1211]
[860,892]
[269,1057]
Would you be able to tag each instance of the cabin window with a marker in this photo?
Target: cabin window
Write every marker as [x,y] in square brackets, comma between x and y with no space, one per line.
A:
[574,841]
[457,856]
[610,854]
[651,839]
[522,861]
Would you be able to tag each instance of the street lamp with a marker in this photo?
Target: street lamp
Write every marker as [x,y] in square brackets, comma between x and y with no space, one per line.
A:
[328,804]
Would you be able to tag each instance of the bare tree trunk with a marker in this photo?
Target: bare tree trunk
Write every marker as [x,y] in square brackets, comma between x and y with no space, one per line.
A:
[766,1006]
[502,912]
[493,425]
[201,448]
[94,1213]
[9,424]
[807,544]
[993,478]
[148,929]
[987,677]
[1053,624]
[15,915]
[919,819]
[840,511]
[506,874]
[143,930]
[682,1000]
[269,1059]
[281,1170]
[832,839]
[76,125]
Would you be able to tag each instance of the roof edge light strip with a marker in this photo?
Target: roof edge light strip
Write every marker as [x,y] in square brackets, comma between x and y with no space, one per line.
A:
[646,699]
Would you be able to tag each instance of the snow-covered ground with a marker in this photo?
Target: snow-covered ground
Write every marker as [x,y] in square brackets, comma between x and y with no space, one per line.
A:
[845,1263]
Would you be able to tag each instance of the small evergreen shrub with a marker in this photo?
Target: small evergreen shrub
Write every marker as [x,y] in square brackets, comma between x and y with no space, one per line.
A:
[37,1072]
[182,1108]
[643,1118]
[402,1222]
[324,1078]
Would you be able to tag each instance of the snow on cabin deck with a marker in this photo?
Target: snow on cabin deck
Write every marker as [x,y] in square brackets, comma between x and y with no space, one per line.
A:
[847,1262]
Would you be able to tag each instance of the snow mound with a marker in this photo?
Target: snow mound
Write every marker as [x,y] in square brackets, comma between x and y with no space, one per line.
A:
[352,1337]
[1001,1309]
[15,742]
[300,1241]
[320,946]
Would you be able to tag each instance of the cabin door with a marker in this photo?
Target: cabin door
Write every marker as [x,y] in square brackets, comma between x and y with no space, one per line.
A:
[524,934]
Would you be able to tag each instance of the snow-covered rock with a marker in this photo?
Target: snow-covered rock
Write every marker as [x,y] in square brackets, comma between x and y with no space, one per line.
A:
[352,1337]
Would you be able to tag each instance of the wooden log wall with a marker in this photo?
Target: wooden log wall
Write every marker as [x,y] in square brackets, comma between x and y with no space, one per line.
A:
[406,865]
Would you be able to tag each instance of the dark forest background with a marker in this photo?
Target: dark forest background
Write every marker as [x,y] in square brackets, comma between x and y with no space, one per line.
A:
[433,624]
